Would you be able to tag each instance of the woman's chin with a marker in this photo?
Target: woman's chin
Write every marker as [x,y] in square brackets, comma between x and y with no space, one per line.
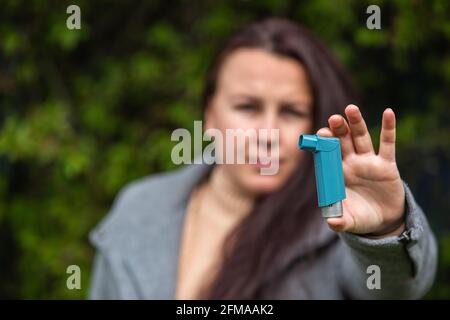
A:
[262,184]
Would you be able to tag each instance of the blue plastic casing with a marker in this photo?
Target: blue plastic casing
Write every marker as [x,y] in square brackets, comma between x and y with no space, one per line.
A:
[328,167]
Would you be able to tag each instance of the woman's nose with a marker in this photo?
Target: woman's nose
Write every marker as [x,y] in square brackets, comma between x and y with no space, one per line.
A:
[269,121]
[270,124]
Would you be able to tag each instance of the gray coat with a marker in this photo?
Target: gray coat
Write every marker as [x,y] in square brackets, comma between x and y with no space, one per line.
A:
[138,246]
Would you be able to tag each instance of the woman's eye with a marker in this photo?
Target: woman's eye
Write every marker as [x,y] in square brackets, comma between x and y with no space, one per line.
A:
[294,113]
[246,107]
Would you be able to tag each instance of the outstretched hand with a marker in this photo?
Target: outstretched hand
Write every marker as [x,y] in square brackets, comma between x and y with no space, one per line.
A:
[375,202]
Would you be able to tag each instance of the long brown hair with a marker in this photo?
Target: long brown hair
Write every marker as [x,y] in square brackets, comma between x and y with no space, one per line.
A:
[255,251]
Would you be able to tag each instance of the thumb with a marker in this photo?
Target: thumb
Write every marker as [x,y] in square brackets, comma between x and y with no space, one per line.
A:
[344,223]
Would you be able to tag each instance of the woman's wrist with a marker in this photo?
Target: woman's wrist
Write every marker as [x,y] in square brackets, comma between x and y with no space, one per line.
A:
[392,232]
[395,229]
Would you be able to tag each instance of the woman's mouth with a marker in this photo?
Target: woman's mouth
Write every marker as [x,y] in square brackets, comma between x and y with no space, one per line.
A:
[259,164]
[266,163]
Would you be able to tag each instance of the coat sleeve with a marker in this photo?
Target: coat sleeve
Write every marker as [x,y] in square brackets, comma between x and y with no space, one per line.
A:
[406,263]
[110,279]
[103,284]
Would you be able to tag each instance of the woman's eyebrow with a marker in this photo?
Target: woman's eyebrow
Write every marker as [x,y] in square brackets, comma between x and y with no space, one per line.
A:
[246,97]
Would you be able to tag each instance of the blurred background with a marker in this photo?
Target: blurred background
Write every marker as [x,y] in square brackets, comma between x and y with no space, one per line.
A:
[83,112]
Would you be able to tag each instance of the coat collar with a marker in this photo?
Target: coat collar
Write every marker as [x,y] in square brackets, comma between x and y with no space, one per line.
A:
[153,264]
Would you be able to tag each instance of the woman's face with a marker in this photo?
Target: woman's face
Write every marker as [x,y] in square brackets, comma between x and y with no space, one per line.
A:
[257,89]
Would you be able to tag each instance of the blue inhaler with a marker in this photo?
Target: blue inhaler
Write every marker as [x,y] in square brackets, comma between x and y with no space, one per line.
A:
[329,172]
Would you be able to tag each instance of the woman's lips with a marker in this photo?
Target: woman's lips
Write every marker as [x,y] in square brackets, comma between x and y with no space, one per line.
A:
[263,165]
[266,164]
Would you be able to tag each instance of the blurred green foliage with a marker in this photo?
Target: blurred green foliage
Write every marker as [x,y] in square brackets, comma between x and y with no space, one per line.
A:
[84,112]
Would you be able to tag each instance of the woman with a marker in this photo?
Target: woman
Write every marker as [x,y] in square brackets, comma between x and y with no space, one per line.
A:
[225,231]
